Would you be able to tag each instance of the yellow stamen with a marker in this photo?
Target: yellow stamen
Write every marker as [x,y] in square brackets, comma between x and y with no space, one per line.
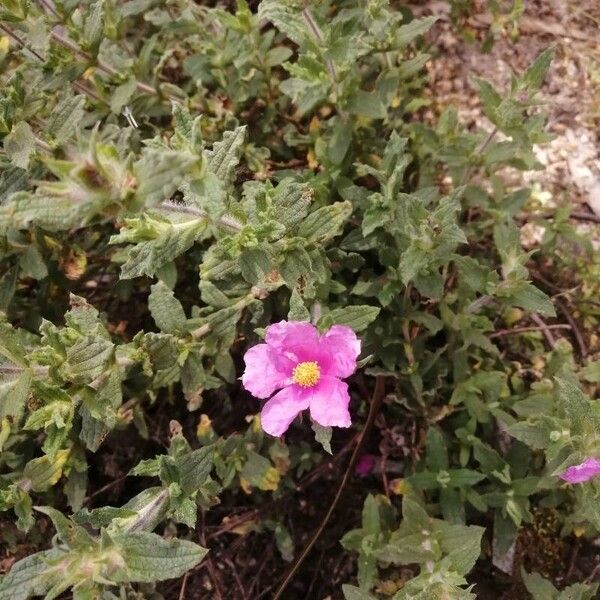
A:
[307,374]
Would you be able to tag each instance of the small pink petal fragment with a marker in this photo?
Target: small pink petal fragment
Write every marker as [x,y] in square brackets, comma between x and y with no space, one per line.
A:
[365,465]
[585,471]
[282,409]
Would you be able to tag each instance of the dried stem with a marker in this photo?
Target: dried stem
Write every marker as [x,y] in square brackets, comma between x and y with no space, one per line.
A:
[376,401]
[505,332]
[20,41]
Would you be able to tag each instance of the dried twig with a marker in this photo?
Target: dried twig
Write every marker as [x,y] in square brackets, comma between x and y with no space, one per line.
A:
[583,351]
[544,329]
[515,330]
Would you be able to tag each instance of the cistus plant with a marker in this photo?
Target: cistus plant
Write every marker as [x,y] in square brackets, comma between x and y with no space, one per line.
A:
[205,207]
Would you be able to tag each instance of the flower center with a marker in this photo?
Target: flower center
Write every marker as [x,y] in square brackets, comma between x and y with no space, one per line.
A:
[307,374]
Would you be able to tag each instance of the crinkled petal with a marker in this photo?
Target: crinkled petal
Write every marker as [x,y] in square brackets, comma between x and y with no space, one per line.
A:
[341,347]
[282,408]
[262,375]
[329,403]
[583,472]
[286,335]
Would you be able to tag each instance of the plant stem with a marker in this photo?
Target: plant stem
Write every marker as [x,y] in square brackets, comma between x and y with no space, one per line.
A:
[65,42]
[469,171]
[376,401]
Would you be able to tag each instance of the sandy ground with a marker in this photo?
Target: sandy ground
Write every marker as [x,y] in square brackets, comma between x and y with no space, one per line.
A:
[571,93]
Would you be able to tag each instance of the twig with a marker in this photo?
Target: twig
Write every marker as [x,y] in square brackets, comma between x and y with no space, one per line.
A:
[20,41]
[376,401]
[105,488]
[576,333]
[65,42]
[236,576]
[545,329]
[208,563]
[50,7]
[183,585]
[504,332]
[593,574]
[318,34]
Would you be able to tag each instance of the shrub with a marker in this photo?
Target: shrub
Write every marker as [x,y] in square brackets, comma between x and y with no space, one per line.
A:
[178,177]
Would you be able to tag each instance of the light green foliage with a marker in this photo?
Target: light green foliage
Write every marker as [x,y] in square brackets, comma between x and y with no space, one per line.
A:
[174,177]
[542,589]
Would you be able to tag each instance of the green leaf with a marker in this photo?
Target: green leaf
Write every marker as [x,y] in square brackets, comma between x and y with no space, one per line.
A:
[225,155]
[255,263]
[88,358]
[148,557]
[42,473]
[65,118]
[194,469]
[167,241]
[367,104]
[19,144]
[285,17]
[462,544]
[357,318]
[298,310]
[30,576]
[405,34]
[291,201]
[525,295]
[538,587]
[534,76]
[354,593]
[14,391]
[165,309]
[325,223]
[159,172]
[93,27]
[323,436]
[69,532]
[259,472]
[122,95]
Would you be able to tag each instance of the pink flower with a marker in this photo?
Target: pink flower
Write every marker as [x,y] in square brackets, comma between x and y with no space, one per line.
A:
[306,368]
[365,465]
[583,472]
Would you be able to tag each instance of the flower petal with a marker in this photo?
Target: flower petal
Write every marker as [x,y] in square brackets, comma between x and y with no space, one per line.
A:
[282,408]
[262,375]
[292,342]
[580,473]
[342,347]
[291,333]
[329,403]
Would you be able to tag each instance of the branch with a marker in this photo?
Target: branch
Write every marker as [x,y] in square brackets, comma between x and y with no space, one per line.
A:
[515,330]
[66,42]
